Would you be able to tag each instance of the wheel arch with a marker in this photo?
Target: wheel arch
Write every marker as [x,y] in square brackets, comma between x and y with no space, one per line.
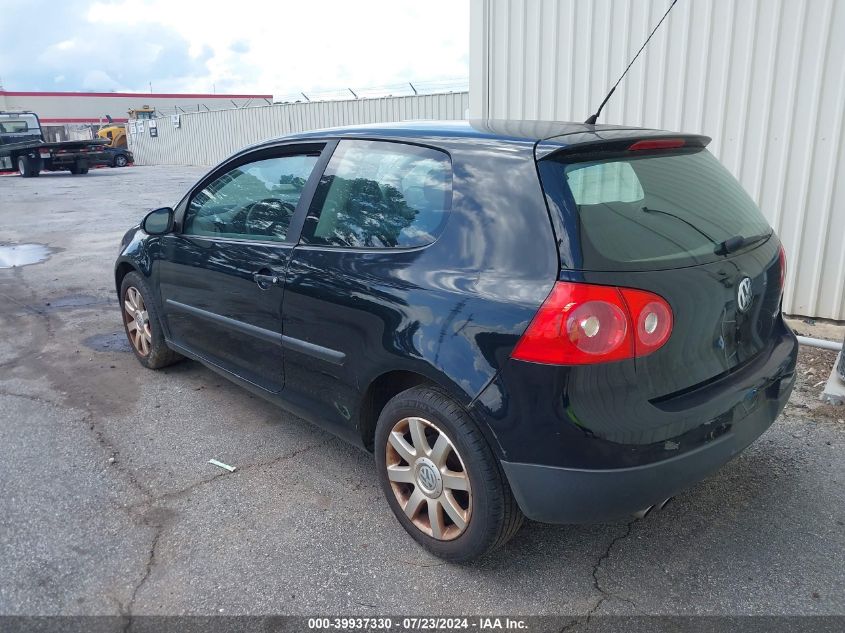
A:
[379,392]
[390,383]
[122,269]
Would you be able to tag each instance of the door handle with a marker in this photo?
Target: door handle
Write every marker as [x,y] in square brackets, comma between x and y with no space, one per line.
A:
[265,281]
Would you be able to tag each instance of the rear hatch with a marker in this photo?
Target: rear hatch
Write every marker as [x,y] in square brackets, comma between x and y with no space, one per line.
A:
[663,215]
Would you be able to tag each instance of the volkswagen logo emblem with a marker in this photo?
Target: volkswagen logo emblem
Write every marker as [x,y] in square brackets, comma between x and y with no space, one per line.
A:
[428,478]
[744,294]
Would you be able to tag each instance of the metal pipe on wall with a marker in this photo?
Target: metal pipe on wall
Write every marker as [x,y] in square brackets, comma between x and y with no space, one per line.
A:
[820,343]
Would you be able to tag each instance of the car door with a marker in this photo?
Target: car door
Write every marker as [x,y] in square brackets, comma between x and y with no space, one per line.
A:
[221,274]
[348,296]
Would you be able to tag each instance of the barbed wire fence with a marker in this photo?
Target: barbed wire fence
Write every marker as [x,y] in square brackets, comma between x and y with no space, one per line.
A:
[407,88]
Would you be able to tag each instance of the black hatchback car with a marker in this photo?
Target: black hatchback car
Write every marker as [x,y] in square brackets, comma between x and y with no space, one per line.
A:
[560,321]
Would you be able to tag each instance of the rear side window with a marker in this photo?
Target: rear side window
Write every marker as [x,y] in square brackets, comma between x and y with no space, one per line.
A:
[659,210]
[376,194]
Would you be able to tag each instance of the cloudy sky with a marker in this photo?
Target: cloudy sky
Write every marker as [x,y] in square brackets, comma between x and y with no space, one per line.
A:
[278,47]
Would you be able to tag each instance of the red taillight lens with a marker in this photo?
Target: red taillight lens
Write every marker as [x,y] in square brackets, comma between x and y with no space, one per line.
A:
[782,261]
[581,324]
[653,319]
[596,327]
[657,143]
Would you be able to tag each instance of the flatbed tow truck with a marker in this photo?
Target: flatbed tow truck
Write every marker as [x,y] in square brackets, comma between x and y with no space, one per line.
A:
[22,148]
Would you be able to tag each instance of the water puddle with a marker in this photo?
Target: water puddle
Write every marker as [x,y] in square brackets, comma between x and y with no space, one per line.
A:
[14,255]
[113,342]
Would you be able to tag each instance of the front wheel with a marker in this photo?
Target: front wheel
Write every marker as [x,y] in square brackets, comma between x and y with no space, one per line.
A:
[120,160]
[440,477]
[142,325]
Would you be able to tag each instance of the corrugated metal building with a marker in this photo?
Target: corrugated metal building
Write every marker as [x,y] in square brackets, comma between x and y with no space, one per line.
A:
[764,78]
[206,138]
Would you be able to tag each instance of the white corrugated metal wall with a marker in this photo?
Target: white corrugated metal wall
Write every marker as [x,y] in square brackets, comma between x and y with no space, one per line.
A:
[206,138]
[58,108]
[764,78]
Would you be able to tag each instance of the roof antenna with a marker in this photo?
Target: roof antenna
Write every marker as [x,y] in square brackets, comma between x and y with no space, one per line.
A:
[593,118]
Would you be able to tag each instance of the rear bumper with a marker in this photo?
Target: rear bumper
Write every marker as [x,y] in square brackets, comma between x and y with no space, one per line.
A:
[553,494]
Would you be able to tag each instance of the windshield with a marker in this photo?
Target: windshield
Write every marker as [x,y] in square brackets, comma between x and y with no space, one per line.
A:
[659,210]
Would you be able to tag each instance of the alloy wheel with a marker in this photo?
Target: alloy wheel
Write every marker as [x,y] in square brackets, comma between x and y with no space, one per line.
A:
[428,478]
[137,321]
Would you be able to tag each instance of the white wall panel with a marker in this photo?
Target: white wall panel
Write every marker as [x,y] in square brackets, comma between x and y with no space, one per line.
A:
[55,108]
[206,138]
[764,78]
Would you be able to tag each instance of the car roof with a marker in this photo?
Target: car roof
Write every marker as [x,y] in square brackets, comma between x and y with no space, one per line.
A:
[475,129]
[542,138]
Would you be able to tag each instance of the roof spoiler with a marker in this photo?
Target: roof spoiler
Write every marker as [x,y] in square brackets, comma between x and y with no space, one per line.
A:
[618,142]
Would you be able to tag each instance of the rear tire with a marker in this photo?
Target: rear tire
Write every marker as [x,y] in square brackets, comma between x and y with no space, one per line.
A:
[142,324]
[79,170]
[468,483]
[27,167]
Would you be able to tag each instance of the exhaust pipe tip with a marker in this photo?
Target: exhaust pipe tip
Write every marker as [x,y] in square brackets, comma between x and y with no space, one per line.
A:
[641,514]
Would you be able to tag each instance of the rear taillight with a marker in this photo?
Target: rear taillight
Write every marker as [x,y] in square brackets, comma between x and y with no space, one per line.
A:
[652,318]
[782,262]
[580,324]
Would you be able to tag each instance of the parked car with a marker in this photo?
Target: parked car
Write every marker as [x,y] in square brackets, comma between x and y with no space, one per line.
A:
[561,321]
[119,157]
[111,157]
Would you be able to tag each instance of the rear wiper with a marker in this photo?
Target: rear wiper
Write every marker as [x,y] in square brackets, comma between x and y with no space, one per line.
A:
[677,217]
[733,244]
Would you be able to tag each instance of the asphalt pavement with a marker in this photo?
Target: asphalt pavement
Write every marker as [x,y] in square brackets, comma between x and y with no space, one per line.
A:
[108,504]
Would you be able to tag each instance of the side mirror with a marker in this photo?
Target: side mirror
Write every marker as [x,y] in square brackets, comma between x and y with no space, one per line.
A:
[158,221]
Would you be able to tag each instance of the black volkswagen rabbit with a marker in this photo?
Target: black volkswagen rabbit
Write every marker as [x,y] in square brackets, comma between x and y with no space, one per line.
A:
[564,322]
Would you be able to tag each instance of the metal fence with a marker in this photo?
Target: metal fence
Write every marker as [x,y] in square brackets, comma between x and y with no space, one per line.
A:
[206,138]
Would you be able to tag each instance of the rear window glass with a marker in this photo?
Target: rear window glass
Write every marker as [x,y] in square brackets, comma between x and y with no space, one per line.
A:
[654,211]
[13,127]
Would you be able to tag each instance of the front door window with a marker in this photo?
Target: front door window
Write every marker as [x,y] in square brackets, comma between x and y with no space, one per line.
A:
[253,201]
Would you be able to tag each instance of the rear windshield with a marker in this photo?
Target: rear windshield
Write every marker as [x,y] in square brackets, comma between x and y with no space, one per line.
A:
[652,211]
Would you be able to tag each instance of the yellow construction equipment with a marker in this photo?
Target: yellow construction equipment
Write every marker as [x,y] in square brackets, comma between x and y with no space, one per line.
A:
[115,133]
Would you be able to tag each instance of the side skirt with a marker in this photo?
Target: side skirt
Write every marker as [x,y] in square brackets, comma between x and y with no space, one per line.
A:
[352,437]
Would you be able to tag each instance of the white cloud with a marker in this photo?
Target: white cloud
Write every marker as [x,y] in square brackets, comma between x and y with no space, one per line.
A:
[99,80]
[287,47]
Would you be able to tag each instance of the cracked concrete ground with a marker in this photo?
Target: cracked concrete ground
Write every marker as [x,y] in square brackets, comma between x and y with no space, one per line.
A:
[110,507]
